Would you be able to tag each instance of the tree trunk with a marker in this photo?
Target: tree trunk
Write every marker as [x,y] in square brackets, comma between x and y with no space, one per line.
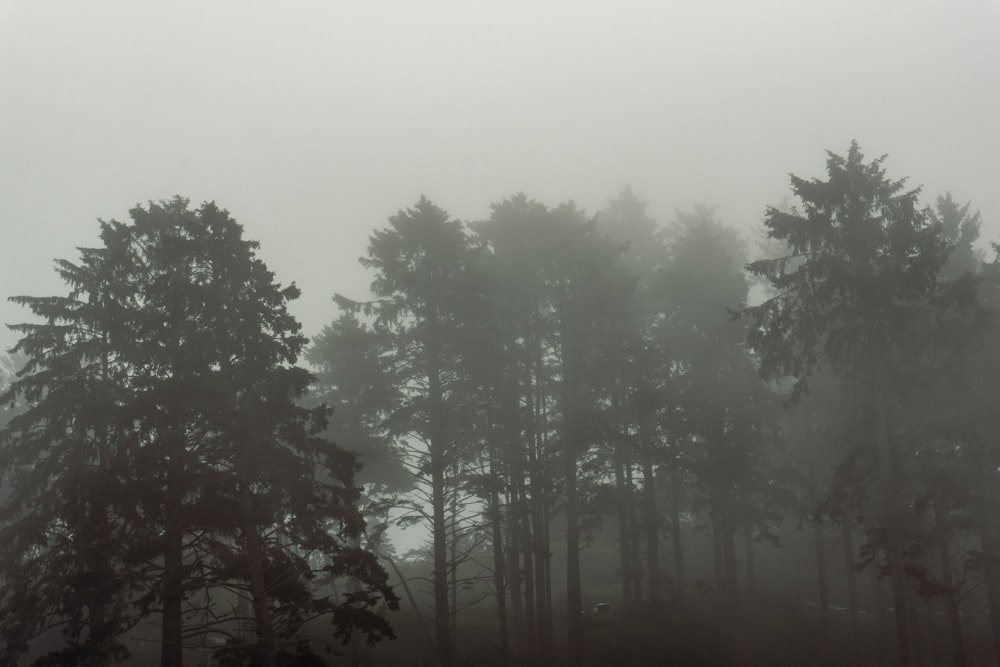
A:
[821,565]
[409,596]
[652,525]
[822,583]
[266,644]
[574,598]
[624,532]
[906,645]
[748,554]
[730,572]
[453,565]
[543,583]
[852,589]
[538,441]
[676,532]
[635,528]
[878,600]
[172,639]
[948,580]
[514,565]
[531,602]
[439,525]
[991,552]
[514,545]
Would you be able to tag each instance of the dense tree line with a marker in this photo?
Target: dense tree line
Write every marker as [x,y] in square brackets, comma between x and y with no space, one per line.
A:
[528,388]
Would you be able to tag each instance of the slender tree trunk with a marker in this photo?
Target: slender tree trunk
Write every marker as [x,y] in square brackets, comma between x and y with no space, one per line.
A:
[538,446]
[453,565]
[531,602]
[172,640]
[514,564]
[822,581]
[570,434]
[991,552]
[948,579]
[439,525]
[906,644]
[731,577]
[677,532]
[548,641]
[748,553]
[652,526]
[442,615]
[819,539]
[266,645]
[409,596]
[624,532]
[635,528]
[878,598]
[574,598]
[717,551]
[847,531]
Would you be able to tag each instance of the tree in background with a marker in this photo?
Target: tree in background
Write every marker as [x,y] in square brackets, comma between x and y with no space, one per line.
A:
[428,300]
[861,290]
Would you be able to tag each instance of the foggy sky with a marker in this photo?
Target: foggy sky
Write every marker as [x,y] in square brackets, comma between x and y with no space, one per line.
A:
[312,122]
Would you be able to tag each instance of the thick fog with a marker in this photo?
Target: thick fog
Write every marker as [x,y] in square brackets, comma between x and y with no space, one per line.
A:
[312,122]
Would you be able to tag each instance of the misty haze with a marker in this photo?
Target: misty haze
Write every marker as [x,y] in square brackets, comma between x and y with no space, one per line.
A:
[457,333]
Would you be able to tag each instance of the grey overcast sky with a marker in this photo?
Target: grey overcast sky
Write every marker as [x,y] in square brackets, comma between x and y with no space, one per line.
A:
[313,121]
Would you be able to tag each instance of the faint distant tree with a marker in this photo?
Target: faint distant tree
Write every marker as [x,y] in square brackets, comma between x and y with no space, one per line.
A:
[724,408]
[427,300]
[641,367]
